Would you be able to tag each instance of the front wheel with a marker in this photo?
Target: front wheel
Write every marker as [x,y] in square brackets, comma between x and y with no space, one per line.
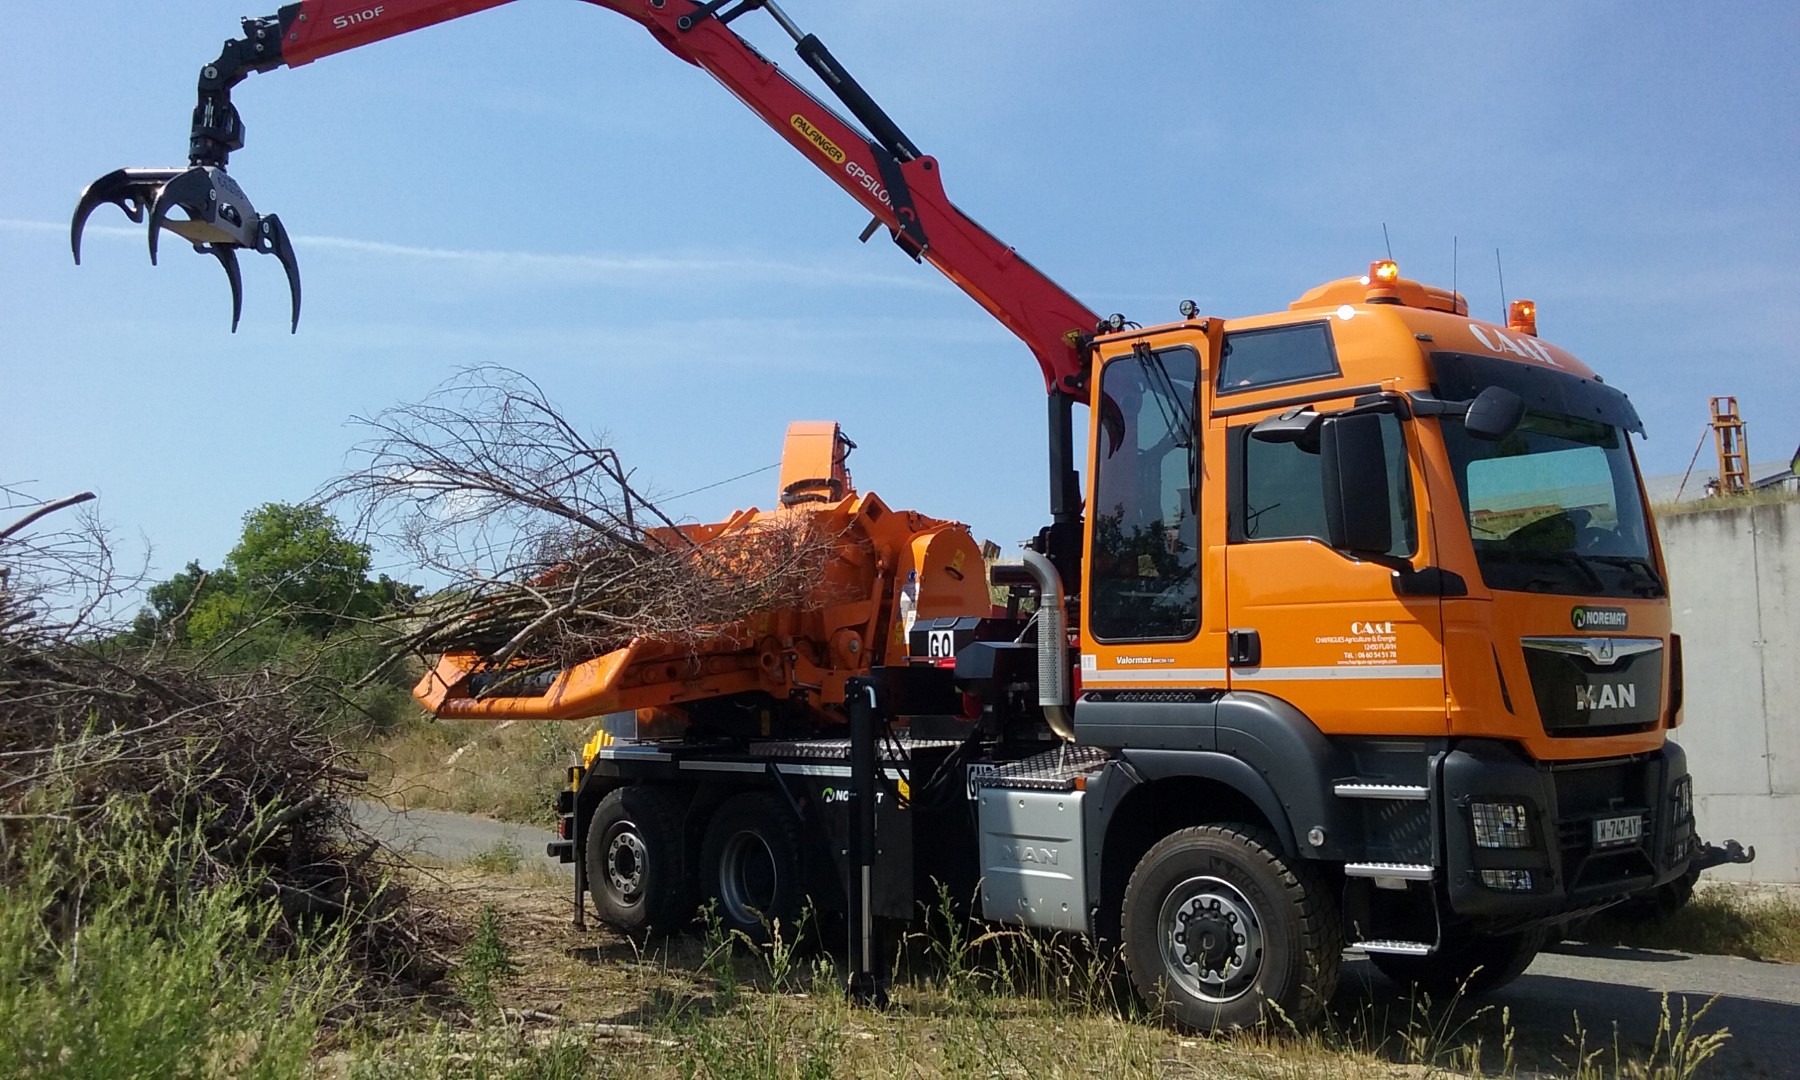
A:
[1219,927]
[1467,966]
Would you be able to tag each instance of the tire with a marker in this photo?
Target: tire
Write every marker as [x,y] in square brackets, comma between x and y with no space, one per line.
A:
[636,867]
[1273,936]
[750,865]
[1468,966]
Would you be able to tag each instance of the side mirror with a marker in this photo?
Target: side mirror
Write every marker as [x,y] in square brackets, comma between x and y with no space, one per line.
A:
[1494,414]
[1298,425]
[1353,467]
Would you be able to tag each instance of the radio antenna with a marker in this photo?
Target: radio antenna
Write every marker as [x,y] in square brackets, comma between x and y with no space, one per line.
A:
[1389,244]
[1502,272]
[1453,271]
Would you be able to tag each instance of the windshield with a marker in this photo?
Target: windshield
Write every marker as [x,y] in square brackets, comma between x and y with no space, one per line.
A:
[1554,507]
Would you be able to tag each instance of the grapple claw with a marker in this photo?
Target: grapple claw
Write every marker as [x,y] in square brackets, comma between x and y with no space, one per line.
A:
[227,257]
[131,190]
[219,220]
[218,212]
[272,239]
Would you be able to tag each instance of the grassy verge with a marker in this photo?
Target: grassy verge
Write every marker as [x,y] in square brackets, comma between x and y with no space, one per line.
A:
[1725,502]
[506,771]
[543,1001]
[1721,919]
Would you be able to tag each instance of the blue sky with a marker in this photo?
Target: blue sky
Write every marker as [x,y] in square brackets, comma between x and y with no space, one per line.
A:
[542,186]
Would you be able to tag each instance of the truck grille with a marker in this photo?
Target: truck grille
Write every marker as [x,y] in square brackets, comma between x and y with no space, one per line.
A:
[1588,791]
[1587,686]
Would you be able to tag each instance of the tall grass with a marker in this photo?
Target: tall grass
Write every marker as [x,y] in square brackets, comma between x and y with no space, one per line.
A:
[508,772]
[1721,919]
[115,976]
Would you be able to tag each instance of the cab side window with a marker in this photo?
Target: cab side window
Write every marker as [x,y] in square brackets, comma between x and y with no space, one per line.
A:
[1143,574]
[1253,359]
[1277,490]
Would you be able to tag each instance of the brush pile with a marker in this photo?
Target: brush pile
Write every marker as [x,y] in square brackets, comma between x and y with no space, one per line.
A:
[226,774]
[551,555]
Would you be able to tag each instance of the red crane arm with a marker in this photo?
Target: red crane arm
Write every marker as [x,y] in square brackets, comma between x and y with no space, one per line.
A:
[901,187]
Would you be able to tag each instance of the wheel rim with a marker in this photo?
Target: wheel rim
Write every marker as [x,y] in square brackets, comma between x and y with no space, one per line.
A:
[625,861]
[1212,939]
[747,878]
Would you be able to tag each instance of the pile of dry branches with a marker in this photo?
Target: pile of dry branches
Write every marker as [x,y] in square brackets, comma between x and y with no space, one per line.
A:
[550,553]
[245,786]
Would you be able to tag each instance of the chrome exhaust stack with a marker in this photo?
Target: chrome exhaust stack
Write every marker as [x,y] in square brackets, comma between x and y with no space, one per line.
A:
[1053,646]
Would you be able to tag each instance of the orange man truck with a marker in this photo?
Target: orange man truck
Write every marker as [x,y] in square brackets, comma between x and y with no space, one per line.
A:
[1349,629]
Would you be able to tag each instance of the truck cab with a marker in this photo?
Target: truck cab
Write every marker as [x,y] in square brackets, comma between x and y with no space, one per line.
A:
[1387,572]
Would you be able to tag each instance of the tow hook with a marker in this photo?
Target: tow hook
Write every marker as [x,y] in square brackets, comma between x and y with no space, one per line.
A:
[1712,855]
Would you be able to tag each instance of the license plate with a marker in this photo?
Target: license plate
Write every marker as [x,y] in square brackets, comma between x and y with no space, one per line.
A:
[1613,831]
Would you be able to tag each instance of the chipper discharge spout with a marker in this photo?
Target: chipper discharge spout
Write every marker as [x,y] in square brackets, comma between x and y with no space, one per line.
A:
[879,569]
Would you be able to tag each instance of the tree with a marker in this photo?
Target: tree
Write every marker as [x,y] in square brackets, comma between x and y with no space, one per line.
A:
[294,562]
[293,569]
[169,604]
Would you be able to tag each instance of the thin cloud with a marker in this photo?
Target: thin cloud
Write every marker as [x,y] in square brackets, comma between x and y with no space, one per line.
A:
[570,268]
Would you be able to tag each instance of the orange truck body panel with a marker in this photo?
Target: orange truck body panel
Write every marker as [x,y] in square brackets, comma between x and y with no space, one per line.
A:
[1337,641]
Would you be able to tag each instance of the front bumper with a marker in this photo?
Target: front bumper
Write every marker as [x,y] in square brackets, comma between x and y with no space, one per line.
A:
[1569,871]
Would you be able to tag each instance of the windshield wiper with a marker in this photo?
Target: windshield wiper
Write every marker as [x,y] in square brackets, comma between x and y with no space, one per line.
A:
[1555,558]
[1651,578]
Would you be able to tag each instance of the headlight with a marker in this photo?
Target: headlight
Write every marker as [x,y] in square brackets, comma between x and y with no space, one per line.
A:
[1501,825]
[1684,799]
[1507,880]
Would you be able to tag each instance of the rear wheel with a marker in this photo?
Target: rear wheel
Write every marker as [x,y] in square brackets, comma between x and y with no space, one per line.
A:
[750,863]
[636,871]
[1469,966]
[1219,926]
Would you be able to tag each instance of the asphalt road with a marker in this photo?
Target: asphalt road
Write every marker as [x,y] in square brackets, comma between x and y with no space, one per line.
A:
[1605,986]
[447,838]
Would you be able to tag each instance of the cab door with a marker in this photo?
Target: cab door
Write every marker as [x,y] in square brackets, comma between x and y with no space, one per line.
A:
[1333,633]
[1153,603]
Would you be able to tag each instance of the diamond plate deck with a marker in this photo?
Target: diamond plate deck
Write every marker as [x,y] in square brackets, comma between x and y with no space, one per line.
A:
[1052,770]
[839,749]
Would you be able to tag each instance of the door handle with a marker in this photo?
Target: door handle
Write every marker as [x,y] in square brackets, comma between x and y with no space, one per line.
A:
[1243,648]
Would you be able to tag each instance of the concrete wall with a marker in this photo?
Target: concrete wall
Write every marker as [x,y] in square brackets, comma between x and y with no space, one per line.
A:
[1734,579]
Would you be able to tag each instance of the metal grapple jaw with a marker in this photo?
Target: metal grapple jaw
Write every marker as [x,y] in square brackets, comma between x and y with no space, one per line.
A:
[219,220]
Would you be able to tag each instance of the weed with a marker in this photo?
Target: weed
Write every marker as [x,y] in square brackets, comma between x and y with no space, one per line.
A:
[503,858]
[486,959]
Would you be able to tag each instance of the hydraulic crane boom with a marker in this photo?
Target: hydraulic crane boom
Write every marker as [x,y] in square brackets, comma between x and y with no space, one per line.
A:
[883,170]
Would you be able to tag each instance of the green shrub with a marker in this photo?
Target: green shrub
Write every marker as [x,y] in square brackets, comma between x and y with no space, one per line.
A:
[118,976]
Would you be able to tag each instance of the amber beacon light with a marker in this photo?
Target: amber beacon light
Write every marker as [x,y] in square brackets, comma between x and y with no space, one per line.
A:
[1521,317]
[1384,277]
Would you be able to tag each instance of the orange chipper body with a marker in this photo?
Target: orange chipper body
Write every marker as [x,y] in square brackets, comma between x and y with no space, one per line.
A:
[856,615]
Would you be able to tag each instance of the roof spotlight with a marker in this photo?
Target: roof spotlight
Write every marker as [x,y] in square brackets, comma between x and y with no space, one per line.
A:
[1189,309]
